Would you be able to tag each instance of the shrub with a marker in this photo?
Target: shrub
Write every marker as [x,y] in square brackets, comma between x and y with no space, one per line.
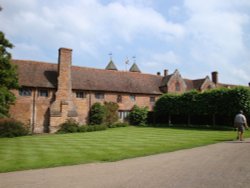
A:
[12,128]
[92,128]
[97,114]
[118,124]
[83,128]
[70,126]
[111,115]
[138,116]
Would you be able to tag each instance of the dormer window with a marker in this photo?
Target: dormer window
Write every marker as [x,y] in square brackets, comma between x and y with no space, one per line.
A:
[177,86]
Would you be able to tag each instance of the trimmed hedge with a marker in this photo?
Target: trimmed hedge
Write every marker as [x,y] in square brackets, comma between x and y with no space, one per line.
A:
[12,128]
[72,126]
[119,124]
[217,103]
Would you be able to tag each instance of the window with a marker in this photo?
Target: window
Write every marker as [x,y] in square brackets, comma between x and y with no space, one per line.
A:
[123,115]
[99,95]
[177,86]
[43,93]
[132,97]
[152,99]
[119,99]
[25,92]
[80,94]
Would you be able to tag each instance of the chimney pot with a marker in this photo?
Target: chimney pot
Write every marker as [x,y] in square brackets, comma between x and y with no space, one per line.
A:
[158,73]
[165,72]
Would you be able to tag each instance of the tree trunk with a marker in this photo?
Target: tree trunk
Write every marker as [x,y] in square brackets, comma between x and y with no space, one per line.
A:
[214,120]
[189,119]
[169,119]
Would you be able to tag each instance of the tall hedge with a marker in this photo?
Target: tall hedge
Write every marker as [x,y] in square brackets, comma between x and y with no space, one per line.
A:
[222,102]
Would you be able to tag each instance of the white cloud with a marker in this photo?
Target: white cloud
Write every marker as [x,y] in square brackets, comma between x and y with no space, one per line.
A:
[216,39]
[86,25]
[160,61]
[206,36]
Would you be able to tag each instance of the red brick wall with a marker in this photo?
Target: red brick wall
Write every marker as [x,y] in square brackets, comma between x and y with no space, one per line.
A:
[32,110]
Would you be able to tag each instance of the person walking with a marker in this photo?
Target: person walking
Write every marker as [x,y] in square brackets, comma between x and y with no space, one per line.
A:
[240,122]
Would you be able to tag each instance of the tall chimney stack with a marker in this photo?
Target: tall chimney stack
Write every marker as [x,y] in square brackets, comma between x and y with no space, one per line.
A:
[63,107]
[64,85]
[165,72]
[215,78]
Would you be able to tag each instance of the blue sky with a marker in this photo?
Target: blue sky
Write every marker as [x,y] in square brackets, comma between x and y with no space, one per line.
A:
[194,36]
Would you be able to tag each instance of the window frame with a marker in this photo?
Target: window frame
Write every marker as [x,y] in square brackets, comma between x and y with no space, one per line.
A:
[177,86]
[132,98]
[150,99]
[119,99]
[80,94]
[99,95]
[25,92]
[42,90]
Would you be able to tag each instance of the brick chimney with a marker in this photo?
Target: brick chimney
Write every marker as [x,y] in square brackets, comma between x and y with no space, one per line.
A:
[165,72]
[215,77]
[63,107]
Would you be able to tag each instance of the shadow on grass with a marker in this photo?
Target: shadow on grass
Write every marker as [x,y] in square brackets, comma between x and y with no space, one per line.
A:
[191,127]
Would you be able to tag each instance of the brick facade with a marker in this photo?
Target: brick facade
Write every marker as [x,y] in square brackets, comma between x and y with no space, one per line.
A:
[58,92]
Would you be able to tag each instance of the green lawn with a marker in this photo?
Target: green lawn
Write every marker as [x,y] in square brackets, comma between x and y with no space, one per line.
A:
[43,151]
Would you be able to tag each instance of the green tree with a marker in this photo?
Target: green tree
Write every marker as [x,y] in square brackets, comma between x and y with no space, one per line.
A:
[97,114]
[167,105]
[8,76]
[188,104]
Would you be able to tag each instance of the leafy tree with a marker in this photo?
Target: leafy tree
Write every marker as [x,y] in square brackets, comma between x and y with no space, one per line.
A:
[188,104]
[167,105]
[97,114]
[8,76]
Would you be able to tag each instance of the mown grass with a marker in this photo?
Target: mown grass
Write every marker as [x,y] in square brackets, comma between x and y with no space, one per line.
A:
[44,151]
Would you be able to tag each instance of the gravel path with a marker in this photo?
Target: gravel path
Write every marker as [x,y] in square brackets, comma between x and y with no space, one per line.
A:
[220,165]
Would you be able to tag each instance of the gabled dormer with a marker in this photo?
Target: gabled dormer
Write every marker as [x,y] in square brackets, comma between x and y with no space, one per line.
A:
[173,83]
[207,84]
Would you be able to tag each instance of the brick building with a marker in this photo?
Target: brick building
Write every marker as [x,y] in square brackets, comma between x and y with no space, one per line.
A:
[52,93]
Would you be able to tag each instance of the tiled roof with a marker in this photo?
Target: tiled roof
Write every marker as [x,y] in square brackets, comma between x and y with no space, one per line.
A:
[190,84]
[198,83]
[40,74]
